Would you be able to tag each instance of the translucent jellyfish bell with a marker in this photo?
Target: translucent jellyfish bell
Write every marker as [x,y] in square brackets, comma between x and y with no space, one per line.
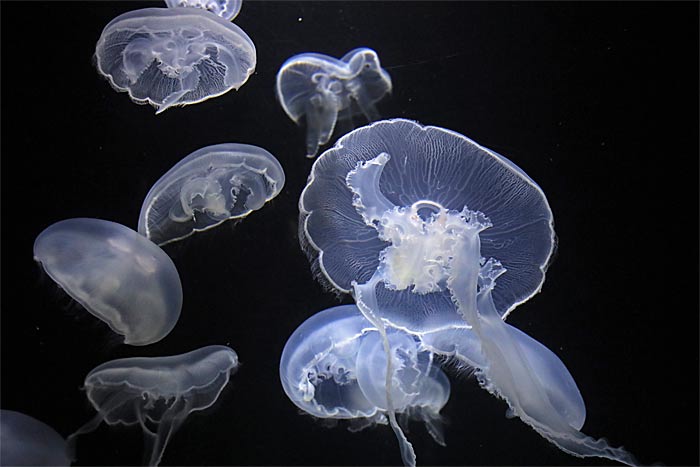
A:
[157,393]
[208,187]
[227,9]
[324,89]
[116,274]
[431,231]
[430,172]
[174,56]
[25,440]
[334,366]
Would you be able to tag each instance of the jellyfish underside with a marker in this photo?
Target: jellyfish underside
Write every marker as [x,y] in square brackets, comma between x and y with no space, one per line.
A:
[432,249]
[156,393]
[334,364]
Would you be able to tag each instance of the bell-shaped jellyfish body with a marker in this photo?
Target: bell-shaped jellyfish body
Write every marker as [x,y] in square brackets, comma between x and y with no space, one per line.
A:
[324,89]
[209,186]
[174,56]
[334,366]
[27,441]
[422,224]
[116,274]
[157,393]
[227,9]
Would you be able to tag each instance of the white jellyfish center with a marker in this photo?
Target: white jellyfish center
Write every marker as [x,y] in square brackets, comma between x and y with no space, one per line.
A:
[424,238]
[178,55]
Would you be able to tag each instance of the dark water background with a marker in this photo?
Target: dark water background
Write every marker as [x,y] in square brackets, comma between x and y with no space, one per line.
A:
[597,102]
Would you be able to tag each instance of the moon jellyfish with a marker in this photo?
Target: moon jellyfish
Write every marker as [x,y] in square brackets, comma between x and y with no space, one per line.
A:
[157,393]
[27,441]
[227,9]
[324,90]
[116,274]
[430,231]
[174,56]
[209,186]
[334,366]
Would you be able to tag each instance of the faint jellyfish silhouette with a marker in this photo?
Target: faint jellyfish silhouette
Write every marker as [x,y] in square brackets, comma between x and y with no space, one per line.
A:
[210,186]
[227,9]
[420,222]
[174,56]
[334,366]
[324,90]
[116,274]
[25,440]
[156,393]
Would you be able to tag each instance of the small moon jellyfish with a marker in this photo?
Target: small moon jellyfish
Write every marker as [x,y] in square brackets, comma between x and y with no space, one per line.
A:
[334,366]
[324,90]
[157,393]
[116,274]
[431,231]
[210,186]
[25,440]
[227,9]
[174,56]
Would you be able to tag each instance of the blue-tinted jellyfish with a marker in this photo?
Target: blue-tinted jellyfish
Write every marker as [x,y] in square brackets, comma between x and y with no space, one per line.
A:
[25,440]
[334,366]
[227,9]
[174,56]
[116,274]
[324,90]
[157,393]
[431,231]
[208,187]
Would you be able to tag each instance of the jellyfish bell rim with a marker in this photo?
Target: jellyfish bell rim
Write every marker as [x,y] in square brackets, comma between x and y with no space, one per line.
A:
[230,17]
[241,150]
[293,350]
[170,11]
[93,379]
[82,300]
[331,152]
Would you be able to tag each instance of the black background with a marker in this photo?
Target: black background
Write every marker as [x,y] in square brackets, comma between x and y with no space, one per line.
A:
[597,102]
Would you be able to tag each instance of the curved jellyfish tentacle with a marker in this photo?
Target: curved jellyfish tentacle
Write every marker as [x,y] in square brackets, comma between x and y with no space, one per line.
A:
[366,301]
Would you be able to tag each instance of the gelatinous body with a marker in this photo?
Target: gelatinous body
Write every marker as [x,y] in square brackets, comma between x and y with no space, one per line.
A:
[324,89]
[174,56]
[227,9]
[430,232]
[334,366]
[27,441]
[116,274]
[157,393]
[209,186]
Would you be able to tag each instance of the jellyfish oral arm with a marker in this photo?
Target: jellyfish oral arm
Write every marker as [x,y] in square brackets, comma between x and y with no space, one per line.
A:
[366,300]
[529,377]
[368,199]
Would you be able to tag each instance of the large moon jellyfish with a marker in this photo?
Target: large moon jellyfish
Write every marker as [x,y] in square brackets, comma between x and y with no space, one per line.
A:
[429,230]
